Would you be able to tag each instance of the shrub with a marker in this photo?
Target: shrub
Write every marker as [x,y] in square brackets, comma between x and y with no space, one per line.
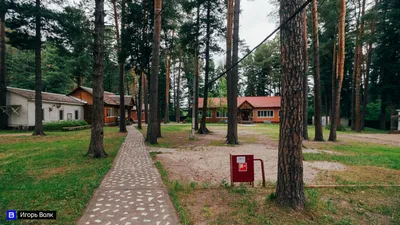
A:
[341,127]
[58,125]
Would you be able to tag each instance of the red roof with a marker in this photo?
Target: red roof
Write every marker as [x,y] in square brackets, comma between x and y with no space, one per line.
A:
[256,101]
[109,98]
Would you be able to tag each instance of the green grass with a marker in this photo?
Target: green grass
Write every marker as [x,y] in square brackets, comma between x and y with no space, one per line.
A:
[175,190]
[361,154]
[52,172]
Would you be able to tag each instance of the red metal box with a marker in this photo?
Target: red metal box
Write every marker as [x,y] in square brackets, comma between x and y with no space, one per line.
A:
[242,168]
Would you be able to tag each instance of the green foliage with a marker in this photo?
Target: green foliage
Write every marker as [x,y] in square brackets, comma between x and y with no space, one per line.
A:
[51,172]
[58,125]
[340,127]
[312,198]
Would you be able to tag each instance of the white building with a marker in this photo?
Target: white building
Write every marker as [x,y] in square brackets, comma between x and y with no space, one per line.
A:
[55,107]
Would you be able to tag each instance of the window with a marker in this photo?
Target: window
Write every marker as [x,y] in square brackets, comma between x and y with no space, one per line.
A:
[61,114]
[279,113]
[110,112]
[222,114]
[42,114]
[77,114]
[209,114]
[265,114]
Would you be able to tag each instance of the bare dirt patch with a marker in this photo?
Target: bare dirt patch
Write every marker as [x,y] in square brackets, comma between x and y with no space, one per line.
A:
[382,139]
[211,164]
[49,172]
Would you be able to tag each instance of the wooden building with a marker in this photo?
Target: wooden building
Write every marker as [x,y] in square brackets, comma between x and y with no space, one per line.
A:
[257,109]
[111,104]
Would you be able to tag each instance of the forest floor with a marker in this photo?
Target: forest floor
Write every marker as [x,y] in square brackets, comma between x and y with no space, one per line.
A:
[197,172]
[52,172]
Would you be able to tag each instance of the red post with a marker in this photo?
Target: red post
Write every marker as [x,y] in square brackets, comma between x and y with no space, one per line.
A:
[262,170]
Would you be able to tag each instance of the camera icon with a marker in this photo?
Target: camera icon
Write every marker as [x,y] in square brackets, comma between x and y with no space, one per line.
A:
[11,215]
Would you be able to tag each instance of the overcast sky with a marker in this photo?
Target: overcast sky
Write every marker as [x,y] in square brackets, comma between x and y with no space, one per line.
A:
[255,23]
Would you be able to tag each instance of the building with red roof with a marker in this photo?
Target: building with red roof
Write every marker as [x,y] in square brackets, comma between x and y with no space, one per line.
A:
[254,109]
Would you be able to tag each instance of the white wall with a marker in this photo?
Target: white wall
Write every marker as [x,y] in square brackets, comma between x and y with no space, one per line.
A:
[14,119]
[54,114]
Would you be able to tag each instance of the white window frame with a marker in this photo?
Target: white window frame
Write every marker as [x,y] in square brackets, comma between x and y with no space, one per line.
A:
[265,114]
[110,113]
[224,114]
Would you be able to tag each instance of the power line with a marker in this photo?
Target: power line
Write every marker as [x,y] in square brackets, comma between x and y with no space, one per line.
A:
[272,33]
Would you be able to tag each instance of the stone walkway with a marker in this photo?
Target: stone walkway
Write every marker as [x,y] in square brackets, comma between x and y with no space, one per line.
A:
[132,191]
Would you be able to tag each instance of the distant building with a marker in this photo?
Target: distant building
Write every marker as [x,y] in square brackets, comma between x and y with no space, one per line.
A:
[20,107]
[257,109]
[111,104]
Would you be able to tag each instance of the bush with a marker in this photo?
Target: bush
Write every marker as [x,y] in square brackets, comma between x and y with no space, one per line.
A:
[341,127]
[58,125]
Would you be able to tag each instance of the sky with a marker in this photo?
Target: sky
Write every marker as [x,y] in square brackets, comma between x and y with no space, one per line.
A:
[255,24]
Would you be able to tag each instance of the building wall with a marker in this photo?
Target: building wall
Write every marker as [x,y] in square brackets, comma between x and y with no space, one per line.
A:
[81,94]
[134,115]
[113,117]
[256,119]
[54,114]
[14,119]
[274,119]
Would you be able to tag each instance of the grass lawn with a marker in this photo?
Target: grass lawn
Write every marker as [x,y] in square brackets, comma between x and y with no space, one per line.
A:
[52,172]
[367,163]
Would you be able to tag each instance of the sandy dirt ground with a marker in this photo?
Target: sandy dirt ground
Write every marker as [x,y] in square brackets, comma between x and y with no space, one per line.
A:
[211,164]
[384,139]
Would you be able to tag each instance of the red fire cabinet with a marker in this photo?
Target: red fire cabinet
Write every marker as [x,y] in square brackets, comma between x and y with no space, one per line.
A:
[242,168]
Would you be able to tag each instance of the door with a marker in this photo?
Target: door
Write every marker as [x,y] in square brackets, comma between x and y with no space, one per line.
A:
[245,115]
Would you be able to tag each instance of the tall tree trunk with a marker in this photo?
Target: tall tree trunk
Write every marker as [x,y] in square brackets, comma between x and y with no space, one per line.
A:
[38,74]
[334,78]
[232,121]
[122,124]
[357,125]
[139,101]
[367,70]
[305,79]
[3,75]
[152,129]
[116,25]
[340,70]
[326,105]
[392,113]
[159,119]
[178,91]
[146,99]
[167,77]
[229,57]
[319,136]
[203,129]
[290,184]
[96,147]
[197,72]
[353,87]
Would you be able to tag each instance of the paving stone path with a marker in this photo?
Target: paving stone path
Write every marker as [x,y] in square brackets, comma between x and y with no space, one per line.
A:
[132,192]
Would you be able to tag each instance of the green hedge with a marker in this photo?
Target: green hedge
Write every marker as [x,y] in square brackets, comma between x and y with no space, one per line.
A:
[58,125]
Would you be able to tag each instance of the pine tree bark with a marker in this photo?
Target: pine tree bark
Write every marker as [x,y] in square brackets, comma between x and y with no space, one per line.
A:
[203,128]
[290,184]
[152,129]
[229,57]
[319,136]
[96,147]
[3,75]
[340,70]
[167,77]
[197,73]
[357,125]
[122,123]
[334,78]
[178,91]
[305,79]
[232,120]
[38,74]
[139,101]
[367,70]
[146,99]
